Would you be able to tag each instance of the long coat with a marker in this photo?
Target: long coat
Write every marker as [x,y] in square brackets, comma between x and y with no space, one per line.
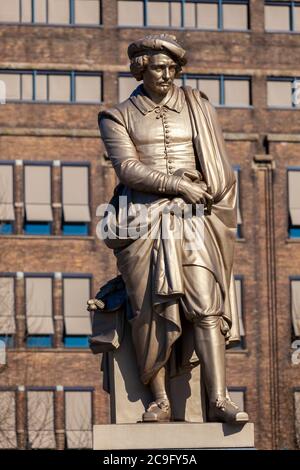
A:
[151,266]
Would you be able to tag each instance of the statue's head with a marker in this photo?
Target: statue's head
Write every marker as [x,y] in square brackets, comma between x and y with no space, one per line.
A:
[157,60]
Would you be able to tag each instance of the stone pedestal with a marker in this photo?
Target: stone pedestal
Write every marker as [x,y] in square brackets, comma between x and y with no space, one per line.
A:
[173,436]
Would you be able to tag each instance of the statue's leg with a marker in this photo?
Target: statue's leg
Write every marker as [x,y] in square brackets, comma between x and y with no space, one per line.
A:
[204,306]
[159,409]
[210,349]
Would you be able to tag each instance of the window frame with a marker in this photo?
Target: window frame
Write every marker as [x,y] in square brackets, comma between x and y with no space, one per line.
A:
[239,231]
[11,344]
[291,80]
[72,74]
[39,389]
[33,224]
[242,345]
[87,224]
[11,222]
[73,276]
[50,336]
[292,5]
[289,225]
[222,78]
[219,3]
[91,390]
[71,22]
[14,389]
[294,277]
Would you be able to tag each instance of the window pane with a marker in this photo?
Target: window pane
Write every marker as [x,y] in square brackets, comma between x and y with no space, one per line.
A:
[58,12]
[237,93]
[294,197]
[130,13]
[74,177]
[26,11]
[295,293]
[277,18]
[87,12]
[6,184]
[279,94]
[40,418]
[126,87]
[211,88]
[207,16]
[190,15]
[7,316]
[41,87]
[27,87]
[78,407]
[297,18]
[8,438]
[87,89]
[40,11]
[235,16]
[39,306]
[37,184]
[238,398]
[59,88]
[9,11]
[191,82]
[175,14]
[158,14]
[12,83]
[76,295]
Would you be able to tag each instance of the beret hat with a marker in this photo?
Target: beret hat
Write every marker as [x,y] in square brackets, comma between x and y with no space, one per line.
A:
[158,42]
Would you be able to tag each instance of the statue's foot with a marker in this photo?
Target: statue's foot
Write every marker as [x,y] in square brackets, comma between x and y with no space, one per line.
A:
[157,411]
[226,411]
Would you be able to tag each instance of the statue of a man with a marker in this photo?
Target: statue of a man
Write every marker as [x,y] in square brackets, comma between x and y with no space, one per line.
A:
[166,146]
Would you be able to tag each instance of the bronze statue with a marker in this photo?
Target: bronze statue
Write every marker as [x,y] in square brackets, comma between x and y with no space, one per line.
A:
[166,147]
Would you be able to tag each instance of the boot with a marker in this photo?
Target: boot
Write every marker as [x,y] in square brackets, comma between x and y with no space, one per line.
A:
[210,349]
[226,411]
[157,411]
[160,409]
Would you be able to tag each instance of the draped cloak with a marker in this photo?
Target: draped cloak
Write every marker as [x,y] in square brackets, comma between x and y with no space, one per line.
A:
[151,266]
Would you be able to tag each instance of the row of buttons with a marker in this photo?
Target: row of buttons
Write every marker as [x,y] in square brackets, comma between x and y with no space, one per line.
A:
[161,113]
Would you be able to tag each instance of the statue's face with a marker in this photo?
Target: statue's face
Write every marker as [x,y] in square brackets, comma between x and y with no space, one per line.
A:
[159,74]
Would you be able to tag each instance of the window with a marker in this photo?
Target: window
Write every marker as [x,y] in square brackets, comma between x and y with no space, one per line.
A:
[239,218]
[76,292]
[8,436]
[239,298]
[39,318]
[7,214]
[75,197]
[38,211]
[78,410]
[222,90]
[87,12]
[282,16]
[52,87]
[56,12]
[87,89]
[294,202]
[7,310]
[283,92]
[199,14]
[295,306]
[40,419]
[126,86]
[238,397]
[297,416]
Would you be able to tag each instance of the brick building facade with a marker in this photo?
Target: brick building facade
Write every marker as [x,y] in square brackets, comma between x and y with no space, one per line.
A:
[61,65]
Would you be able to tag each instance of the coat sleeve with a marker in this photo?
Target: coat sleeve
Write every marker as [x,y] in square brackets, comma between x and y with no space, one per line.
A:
[123,155]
